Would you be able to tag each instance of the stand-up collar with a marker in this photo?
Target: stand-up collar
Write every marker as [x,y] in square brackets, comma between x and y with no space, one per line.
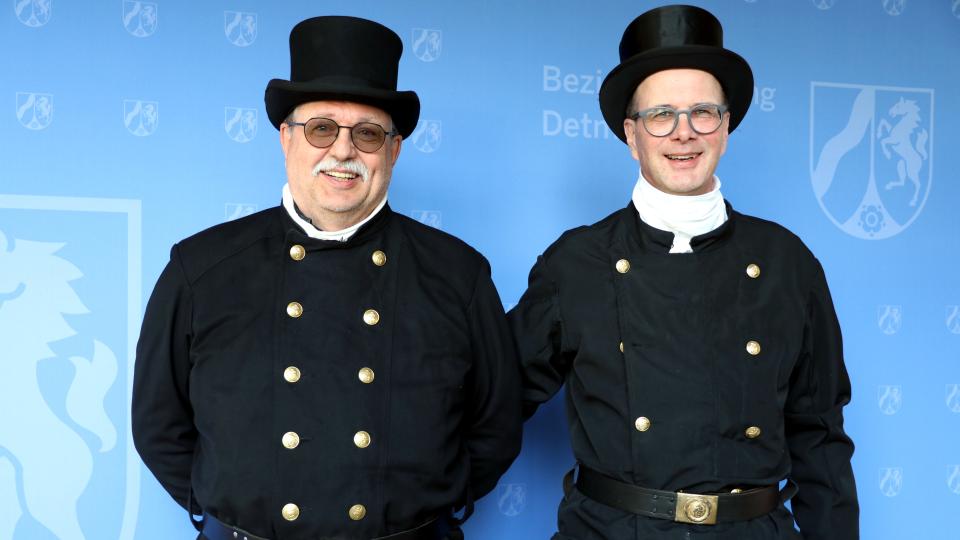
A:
[339,236]
[659,241]
[298,229]
[686,216]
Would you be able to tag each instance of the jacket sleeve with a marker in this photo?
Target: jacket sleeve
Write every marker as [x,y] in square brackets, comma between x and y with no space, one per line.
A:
[161,416]
[537,329]
[495,425]
[826,504]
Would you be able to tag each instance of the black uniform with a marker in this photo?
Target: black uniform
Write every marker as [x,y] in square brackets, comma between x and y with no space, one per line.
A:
[671,359]
[371,383]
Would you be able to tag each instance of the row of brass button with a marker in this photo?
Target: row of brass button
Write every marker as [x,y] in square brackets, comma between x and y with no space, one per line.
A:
[370,316]
[291,512]
[298,253]
[291,439]
[292,374]
[753,271]
[753,347]
[643,424]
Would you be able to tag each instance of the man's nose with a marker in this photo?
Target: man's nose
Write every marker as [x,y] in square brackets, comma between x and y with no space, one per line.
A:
[683,131]
[342,148]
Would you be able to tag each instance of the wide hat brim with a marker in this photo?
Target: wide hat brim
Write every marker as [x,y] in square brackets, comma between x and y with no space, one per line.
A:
[729,68]
[282,96]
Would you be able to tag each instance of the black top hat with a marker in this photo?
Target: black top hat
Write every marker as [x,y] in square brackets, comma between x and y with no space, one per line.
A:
[348,59]
[672,37]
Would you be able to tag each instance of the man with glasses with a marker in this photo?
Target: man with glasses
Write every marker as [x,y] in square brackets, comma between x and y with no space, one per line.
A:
[328,368]
[699,346]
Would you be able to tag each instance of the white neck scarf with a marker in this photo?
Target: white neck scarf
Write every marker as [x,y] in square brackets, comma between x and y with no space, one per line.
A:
[313,232]
[685,216]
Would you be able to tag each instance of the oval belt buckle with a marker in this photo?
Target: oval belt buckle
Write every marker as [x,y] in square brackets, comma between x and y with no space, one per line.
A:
[696,509]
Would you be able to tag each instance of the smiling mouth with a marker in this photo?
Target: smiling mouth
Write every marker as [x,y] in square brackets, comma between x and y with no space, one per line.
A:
[341,175]
[682,157]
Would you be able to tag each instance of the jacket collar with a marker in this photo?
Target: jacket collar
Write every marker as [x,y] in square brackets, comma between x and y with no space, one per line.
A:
[658,241]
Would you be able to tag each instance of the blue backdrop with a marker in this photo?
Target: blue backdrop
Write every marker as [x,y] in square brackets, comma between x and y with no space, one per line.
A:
[128,125]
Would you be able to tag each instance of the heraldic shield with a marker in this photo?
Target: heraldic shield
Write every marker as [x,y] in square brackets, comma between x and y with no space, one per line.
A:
[69,312]
[871,155]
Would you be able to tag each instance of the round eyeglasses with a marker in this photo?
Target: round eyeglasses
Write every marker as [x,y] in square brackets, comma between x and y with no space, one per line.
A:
[323,132]
[662,121]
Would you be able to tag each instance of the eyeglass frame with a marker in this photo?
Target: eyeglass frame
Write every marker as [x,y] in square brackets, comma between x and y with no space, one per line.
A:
[676,119]
[392,133]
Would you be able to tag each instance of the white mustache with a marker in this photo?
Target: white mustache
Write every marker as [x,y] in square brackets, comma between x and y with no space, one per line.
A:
[354,166]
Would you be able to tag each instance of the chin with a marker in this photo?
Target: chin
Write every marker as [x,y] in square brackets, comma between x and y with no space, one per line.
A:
[691,186]
[342,208]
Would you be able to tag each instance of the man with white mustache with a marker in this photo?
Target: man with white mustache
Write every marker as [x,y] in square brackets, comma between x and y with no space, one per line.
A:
[699,346]
[329,369]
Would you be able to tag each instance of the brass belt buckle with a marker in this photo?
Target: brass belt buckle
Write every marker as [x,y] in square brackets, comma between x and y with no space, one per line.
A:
[696,509]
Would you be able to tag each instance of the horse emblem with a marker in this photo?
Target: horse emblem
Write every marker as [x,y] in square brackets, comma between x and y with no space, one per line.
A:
[428,217]
[240,28]
[427,44]
[32,13]
[953,319]
[232,211]
[858,166]
[891,481]
[953,397]
[52,470]
[427,136]
[240,123]
[889,398]
[953,478]
[34,111]
[141,117]
[512,499]
[911,154]
[140,18]
[894,7]
[889,319]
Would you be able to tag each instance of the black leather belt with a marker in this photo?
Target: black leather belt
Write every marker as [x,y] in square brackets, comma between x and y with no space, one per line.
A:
[214,529]
[693,508]
[435,529]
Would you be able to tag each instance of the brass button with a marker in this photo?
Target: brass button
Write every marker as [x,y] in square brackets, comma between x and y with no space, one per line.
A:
[357,512]
[297,252]
[290,440]
[294,309]
[366,375]
[361,439]
[379,258]
[290,512]
[291,374]
[623,266]
[752,432]
[642,423]
[371,317]
[753,271]
[753,348]
[621,346]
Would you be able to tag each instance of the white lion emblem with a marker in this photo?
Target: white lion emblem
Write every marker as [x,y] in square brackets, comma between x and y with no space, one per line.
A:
[42,456]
